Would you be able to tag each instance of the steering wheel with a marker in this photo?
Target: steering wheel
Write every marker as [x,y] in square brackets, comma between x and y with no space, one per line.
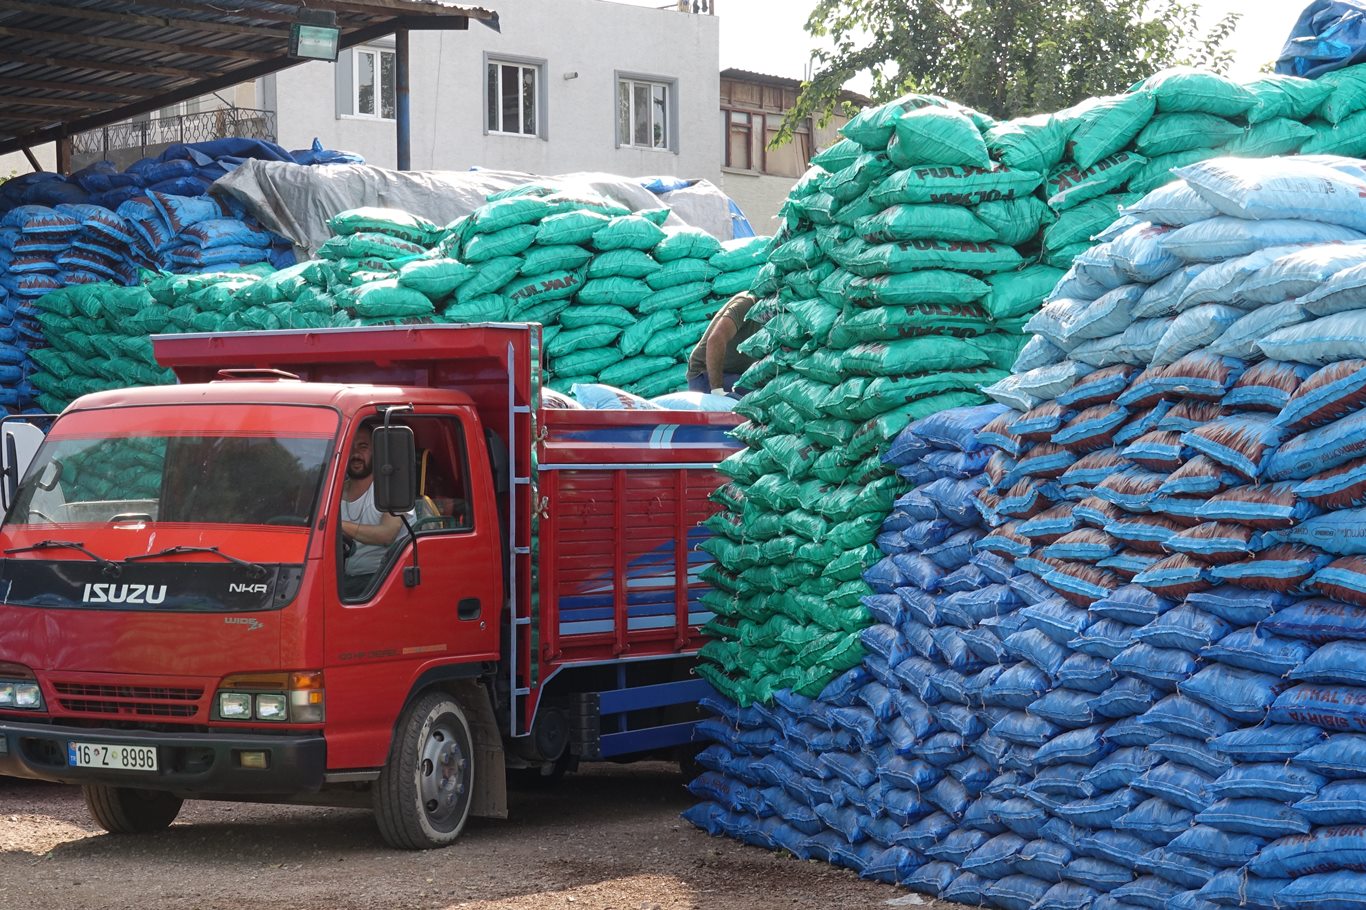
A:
[286,520]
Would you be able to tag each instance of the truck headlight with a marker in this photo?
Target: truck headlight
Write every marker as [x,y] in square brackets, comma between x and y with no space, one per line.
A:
[275,697]
[19,688]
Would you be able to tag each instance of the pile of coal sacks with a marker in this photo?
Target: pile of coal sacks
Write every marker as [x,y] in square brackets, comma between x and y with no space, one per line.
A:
[1135,678]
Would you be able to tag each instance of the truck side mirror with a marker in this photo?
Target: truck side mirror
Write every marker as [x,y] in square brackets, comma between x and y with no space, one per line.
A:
[394,455]
[18,444]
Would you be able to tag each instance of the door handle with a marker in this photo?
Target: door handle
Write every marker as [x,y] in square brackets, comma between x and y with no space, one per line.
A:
[469,608]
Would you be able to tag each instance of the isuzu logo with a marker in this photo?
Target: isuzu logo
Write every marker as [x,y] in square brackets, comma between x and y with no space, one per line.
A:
[239,588]
[123,594]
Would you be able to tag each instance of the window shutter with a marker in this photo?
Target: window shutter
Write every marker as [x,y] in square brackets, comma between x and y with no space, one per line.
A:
[344,69]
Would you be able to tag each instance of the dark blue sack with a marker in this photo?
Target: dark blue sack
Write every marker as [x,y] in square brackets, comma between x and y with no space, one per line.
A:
[893,865]
[1193,752]
[996,858]
[1261,817]
[1256,649]
[932,878]
[1176,868]
[955,847]
[1148,891]
[1178,785]
[1067,896]
[929,831]
[1235,888]
[1341,757]
[1097,873]
[1160,667]
[1331,891]
[1022,816]
[1064,782]
[1085,673]
[1025,729]
[1066,708]
[1085,746]
[1341,803]
[1131,604]
[1267,780]
[1326,850]
[1120,768]
[1016,892]
[1129,697]
[1155,821]
[1241,695]
[1043,860]
[1113,846]
[1099,811]
[967,888]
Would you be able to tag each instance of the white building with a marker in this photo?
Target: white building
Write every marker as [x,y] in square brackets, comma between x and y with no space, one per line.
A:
[569,85]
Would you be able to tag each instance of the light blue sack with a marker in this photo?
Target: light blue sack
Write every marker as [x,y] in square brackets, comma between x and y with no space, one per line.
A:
[1341,803]
[1319,449]
[1302,272]
[1175,204]
[1278,188]
[1325,850]
[1193,330]
[1328,891]
[1242,339]
[1319,342]
[1225,237]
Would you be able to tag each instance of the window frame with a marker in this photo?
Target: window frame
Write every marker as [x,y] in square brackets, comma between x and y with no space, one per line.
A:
[634,81]
[540,94]
[378,52]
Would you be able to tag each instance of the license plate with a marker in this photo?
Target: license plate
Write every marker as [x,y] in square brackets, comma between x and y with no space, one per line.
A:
[121,758]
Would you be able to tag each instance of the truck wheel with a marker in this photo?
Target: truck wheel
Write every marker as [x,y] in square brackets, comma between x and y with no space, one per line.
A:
[124,810]
[423,795]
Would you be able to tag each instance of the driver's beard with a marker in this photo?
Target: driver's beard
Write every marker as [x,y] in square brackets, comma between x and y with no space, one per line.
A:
[357,473]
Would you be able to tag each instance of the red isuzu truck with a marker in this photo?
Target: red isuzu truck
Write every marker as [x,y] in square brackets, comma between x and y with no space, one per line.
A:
[175,622]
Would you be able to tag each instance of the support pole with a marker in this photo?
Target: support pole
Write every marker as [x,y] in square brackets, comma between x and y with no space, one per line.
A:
[402,108]
[64,154]
[32,160]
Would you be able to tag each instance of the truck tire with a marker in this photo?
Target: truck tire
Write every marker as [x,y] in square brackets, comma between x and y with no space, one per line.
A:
[125,810]
[423,795]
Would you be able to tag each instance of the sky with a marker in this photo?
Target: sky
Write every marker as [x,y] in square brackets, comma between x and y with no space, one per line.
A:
[766,36]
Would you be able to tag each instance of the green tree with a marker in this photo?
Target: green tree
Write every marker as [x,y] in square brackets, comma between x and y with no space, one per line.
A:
[1007,58]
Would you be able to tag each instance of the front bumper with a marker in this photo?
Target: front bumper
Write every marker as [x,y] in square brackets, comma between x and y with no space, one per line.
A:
[188,763]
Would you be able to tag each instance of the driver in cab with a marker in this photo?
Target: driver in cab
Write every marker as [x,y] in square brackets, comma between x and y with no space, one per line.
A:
[371,530]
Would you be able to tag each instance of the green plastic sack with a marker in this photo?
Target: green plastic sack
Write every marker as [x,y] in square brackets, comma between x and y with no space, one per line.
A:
[954,185]
[1082,222]
[1184,89]
[805,284]
[632,369]
[888,323]
[507,212]
[673,343]
[627,292]
[1347,138]
[681,271]
[935,135]
[1016,221]
[584,339]
[728,284]
[585,315]
[854,180]
[741,253]
[914,222]
[546,313]
[958,255]
[908,356]
[508,242]
[851,213]
[1158,171]
[1029,143]
[369,243]
[559,257]
[1285,96]
[862,398]
[1348,87]
[1269,138]
[437,278]
[626,263]
[686,243]
[702,311]
[633,340]
[490,276]
[873,127]
[838,155]
[586,362]
[670,379]
[570,227]
[674,298]
[1002,348]
[527,292]
[933,287]
[797,252]
[1065,256]
[634,232]
[395,222]
[387,299]
[1070,184]
[489,308]
[1099,127]
[1169,133]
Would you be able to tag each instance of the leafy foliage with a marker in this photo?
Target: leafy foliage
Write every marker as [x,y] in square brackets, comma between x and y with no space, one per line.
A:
[1007,58]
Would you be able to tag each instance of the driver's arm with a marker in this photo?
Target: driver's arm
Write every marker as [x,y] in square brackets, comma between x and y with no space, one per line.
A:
[380,535]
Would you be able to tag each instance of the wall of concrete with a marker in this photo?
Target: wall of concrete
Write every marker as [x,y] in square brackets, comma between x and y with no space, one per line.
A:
[582,45]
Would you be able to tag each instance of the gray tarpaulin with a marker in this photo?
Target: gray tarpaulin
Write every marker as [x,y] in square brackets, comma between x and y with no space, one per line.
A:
[296,201]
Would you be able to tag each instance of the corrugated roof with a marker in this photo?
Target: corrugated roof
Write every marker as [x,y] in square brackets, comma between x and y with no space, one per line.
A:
[75,65]
[788,82]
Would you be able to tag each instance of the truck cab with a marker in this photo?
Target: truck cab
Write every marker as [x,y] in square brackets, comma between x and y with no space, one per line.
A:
[182,614]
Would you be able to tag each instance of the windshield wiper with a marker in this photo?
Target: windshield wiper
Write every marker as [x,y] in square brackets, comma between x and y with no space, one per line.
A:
[257,570]
[110,568]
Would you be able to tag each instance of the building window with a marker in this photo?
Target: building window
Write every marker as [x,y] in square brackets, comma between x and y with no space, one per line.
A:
[643,113]
[739,126]
[512,93]
[374,83]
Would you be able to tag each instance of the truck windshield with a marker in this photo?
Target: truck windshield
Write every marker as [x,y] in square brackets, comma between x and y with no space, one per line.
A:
[206,464]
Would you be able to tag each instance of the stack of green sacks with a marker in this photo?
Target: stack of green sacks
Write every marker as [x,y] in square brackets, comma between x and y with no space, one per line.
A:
[623,301]
[896,290]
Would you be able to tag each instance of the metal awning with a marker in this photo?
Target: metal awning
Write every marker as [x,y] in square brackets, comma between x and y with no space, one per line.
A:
[75,65]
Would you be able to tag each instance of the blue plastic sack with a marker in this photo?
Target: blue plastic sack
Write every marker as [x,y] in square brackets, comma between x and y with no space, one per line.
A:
[1112,846]
[1176,869]
[1067,896]
[1129,697]
[1339,803]
[1235,888]
[1258,651]
[1340,757]
[1217,848]
[1155,821]
[1266,781]
[1160,667]
[1084,746]
[1016,892]
[1226,237]
[1318,621]
[1328,35]
[1241,695]
[1193,752]
[1147,891]
[1327,891]
[1084,673]
[1179,785]
[1184,716]
[1326,849]
[1261,817]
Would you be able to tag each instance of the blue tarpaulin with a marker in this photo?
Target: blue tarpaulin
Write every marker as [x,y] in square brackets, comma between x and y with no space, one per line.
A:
[1329,35]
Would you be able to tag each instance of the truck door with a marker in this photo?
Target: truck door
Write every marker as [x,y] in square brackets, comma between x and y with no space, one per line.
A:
[406,624]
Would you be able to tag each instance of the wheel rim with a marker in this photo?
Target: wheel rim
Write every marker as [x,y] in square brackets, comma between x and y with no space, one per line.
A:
[441,775]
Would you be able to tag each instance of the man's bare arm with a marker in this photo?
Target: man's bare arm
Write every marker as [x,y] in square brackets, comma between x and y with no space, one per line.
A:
[380,535]
[718,339]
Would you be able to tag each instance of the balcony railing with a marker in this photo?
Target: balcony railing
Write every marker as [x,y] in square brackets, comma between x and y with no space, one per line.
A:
[135,139]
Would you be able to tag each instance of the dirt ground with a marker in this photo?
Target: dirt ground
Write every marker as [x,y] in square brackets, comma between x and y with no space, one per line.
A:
[607,837]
